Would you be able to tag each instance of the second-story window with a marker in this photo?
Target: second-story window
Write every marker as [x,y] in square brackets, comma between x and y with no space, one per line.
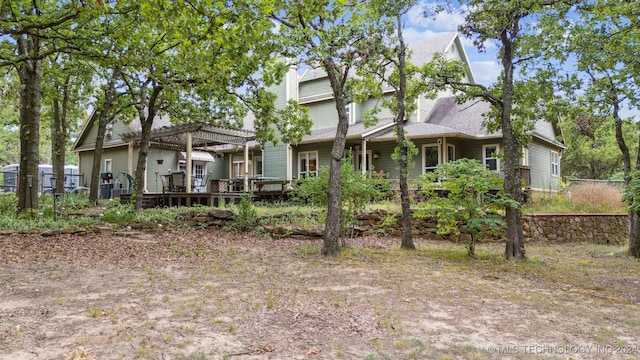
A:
[350,114]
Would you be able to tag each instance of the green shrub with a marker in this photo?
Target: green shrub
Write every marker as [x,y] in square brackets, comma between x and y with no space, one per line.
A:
[357,190]
[247,216]
[463,196]
[8,204]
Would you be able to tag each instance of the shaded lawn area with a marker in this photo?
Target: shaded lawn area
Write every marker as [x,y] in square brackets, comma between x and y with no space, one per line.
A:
[211,294]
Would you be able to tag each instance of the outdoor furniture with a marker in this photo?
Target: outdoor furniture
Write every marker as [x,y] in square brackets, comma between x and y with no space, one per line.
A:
[259,185]
[177,181]
[199,184]
[219,185]
[165,183]
[237,184]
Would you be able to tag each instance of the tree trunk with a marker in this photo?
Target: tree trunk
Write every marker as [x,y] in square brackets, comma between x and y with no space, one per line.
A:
[104,118]
[30,73]
[331,245]
[634,216]
[94,182]
[407,239]
[59,133]
[634,234]
[512,184]
[405,200]
[146,123]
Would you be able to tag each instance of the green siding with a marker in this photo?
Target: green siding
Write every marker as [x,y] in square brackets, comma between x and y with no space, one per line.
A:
[369,105]
[323,114]
[384,162]
[324,155]
[275,161]
[315,87]
[540,163]
[280,89]
[85,159]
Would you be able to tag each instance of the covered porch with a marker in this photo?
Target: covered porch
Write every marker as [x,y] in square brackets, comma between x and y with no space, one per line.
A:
[170,172]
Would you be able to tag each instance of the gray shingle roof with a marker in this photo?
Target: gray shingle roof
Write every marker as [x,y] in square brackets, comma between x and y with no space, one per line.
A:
[466,118]
[355,131]
[422,52]
[448,118]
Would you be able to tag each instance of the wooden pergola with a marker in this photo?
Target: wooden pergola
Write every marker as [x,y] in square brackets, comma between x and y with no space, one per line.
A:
[189,136]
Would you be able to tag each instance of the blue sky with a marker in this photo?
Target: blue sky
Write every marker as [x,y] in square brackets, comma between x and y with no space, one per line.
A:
[485,65]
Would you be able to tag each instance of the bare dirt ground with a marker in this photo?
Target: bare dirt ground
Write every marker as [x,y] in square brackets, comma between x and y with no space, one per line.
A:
[210,294]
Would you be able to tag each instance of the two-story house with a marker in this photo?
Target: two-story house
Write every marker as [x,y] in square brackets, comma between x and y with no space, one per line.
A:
[442,130]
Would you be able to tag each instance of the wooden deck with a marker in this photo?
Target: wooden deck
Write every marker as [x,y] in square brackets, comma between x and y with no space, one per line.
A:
[167,199]
[151,200]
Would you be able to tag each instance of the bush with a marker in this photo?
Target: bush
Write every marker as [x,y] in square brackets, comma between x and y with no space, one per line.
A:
[464,196]
[357,190]
[8,204]
[247,216]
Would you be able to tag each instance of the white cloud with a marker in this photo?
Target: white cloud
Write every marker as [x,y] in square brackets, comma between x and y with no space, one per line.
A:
[486,72]
[412,34]
[443,21]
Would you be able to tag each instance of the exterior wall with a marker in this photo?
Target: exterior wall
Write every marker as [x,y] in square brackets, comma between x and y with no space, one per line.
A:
[368,105]
[323,114]
[275,160]
[384,162]
[545,129]
[315,87]
[85,162]
[219,169]
[324,155]
[540,163]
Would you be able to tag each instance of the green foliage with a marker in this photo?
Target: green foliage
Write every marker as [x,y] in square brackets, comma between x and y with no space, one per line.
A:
[632,193]
[247,216]
[592,151]
[357,190]
[8,204]
[461,196]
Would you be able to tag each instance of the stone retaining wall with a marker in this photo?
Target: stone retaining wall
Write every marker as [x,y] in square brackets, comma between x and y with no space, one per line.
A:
[559,228]
[591,228]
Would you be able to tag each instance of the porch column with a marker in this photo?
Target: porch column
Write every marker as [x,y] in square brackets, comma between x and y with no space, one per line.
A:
[130,158]
[189,145]
[363,157]
[246,166]
[289,155]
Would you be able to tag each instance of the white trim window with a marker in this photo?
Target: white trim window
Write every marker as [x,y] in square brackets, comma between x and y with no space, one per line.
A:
[451,152]
[198,170]
[307,164]
[524,160]
[107,165]
[431,157]
[259,169]
[490,156]
[237,166]
[349,109]
[555,164]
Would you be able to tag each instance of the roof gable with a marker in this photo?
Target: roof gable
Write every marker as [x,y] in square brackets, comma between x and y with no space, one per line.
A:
[422,52]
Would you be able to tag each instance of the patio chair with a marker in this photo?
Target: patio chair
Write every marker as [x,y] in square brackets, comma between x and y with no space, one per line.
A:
[166,186]
[200,184]
[178,181]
